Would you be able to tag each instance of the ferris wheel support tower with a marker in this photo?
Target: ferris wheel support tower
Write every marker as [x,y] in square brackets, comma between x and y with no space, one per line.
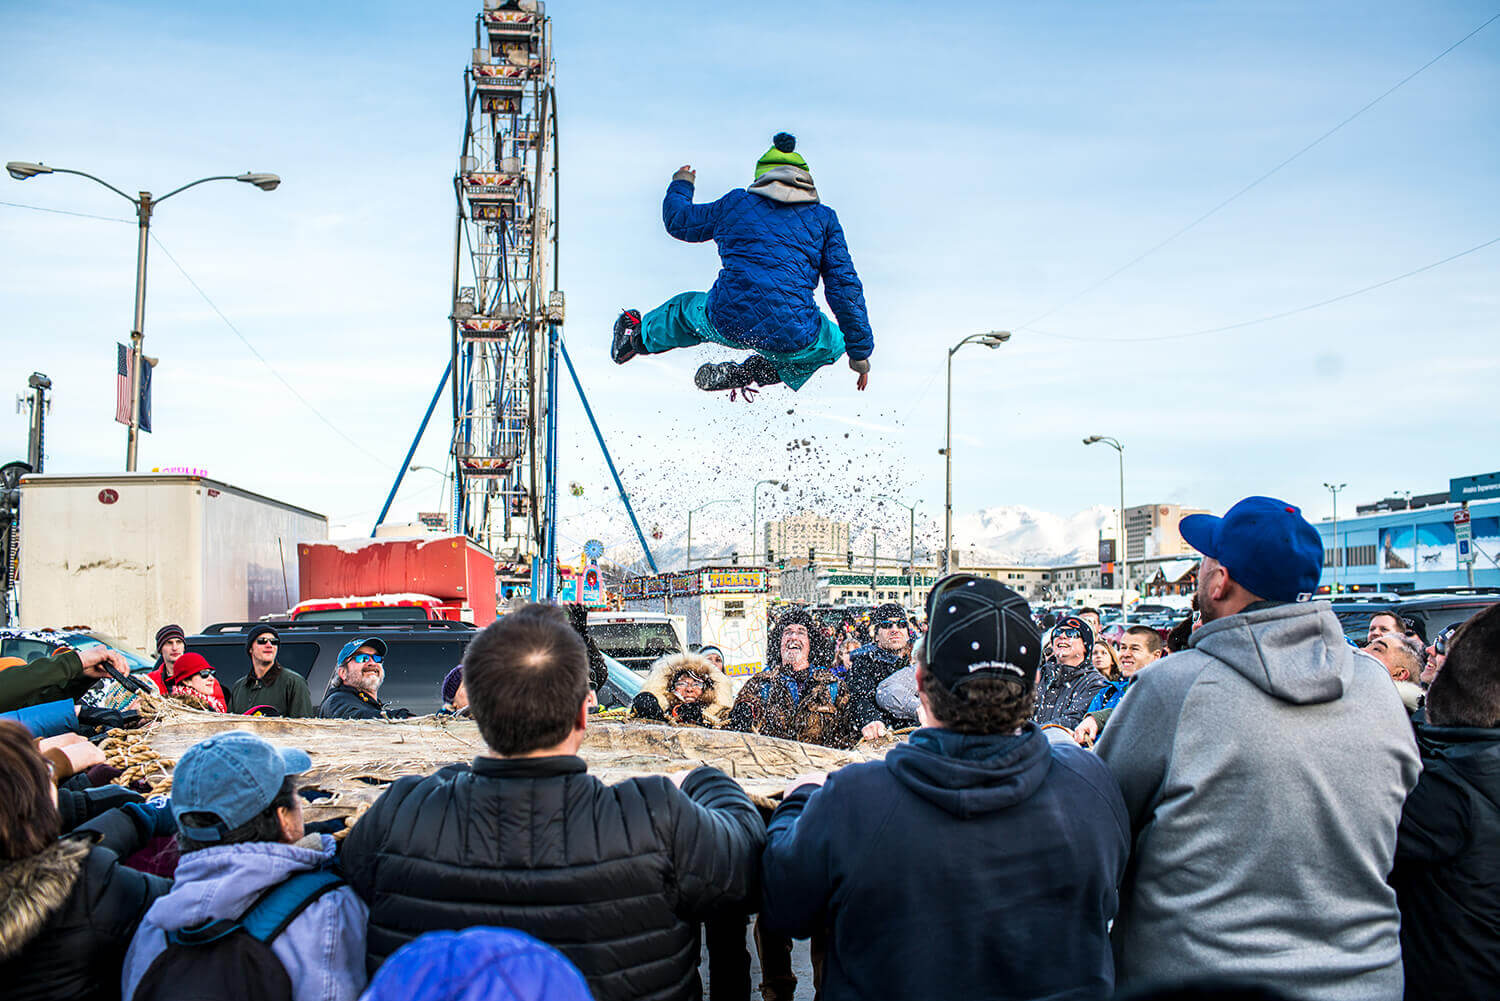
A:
[507,307]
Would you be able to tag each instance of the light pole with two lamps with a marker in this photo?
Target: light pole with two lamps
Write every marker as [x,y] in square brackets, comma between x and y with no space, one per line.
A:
[1334,489]
[992,339]
[144,205]
[1124,552]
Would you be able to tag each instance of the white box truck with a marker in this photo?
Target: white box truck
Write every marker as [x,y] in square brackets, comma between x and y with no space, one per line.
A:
[725,607]
[127,553]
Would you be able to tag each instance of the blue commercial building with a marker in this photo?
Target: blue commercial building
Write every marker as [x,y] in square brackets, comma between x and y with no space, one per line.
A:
[1418,548]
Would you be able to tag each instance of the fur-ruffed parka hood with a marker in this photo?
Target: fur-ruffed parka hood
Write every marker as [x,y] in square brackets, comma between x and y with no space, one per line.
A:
[34,889]
[718,687]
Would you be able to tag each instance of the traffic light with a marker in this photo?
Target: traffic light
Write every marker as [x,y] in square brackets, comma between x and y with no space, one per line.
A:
[770,555]
[849,559]
[734,558]
[812,555]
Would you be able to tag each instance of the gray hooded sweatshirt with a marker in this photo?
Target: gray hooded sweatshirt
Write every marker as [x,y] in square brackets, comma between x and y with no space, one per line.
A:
[1264,769]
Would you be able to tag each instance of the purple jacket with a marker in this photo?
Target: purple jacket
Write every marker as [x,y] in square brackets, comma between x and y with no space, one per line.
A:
[323,949]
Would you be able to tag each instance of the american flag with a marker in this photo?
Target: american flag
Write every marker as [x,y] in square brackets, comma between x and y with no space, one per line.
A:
[122,389]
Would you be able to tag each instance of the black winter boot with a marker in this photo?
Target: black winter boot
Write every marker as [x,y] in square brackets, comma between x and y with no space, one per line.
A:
[715,376]
[627,340]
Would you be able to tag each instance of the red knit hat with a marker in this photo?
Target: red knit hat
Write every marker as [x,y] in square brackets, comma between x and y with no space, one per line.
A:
[187,665]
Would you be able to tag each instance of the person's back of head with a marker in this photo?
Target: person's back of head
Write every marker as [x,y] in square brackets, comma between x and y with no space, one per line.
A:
[978,660]
[235,788]
[29,820]
[477,964]
[1466,691]
[527,677]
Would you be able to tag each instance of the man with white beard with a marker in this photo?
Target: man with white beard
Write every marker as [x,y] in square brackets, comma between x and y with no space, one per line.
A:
[360,673]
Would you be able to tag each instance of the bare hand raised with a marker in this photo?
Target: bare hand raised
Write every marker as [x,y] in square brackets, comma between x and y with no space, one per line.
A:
[686,173]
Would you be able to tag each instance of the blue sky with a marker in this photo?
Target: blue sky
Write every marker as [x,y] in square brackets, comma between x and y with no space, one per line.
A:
[988,162]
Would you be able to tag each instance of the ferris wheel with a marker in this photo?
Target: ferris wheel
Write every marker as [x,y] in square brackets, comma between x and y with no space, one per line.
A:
[506,306]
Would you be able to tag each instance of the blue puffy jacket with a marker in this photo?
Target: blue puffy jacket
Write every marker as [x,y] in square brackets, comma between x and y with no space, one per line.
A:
[774,249]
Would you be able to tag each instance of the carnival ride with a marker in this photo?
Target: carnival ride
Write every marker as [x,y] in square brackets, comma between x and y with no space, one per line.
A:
[505,326]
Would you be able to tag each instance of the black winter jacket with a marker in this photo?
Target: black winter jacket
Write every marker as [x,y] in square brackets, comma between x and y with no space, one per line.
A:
[958,867]
[616,877]
[67,915]
[868,667]
[1447,871]
[348,702]
[1063,694]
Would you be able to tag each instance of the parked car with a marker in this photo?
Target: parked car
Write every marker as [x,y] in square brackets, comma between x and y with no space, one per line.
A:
[636,639]
[34,644]
[1437,610]
[418,656]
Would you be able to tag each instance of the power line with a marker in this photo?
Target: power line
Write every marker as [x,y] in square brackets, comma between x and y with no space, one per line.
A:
[1153,249]
[1275,316]
[269,367]
[81,215]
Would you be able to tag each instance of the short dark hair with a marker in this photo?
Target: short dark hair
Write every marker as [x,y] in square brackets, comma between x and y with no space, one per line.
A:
[527,675]
[1178,638]
[1392,613]
[1466,692]
[981,705]
[29,820]
[264,826]
[1151,636]
[1088,610]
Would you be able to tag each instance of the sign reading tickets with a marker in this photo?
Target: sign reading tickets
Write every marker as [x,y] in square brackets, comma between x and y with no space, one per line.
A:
[716,581]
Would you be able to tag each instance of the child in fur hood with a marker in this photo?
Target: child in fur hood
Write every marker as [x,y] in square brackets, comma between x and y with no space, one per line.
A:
[685,689]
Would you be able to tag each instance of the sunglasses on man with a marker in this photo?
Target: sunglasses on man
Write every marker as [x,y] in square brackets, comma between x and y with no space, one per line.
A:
[367,658]
[1067,633]
[891,624]
[266,641]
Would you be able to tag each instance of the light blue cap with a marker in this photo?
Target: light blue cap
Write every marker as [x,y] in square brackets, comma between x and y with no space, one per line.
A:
[233,776]
[348,649]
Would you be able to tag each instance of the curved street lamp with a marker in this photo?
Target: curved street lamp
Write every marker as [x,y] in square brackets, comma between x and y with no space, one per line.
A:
[911,550]
[1113,443]
[991,339]
[700,507]
[144,204]
[755,515]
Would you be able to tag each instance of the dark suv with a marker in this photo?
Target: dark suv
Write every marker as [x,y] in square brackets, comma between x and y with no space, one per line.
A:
[418,656]
[1431,611]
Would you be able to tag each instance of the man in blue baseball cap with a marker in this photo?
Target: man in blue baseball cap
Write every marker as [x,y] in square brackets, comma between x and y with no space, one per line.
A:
[359,675]
[239,822]
[1264,769]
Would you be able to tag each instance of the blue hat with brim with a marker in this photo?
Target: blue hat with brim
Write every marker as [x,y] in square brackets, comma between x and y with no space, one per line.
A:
[1266,545]
[233,776]
[348,649]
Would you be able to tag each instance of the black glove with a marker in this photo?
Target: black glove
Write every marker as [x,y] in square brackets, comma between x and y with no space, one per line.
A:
[109,719]
[102,798]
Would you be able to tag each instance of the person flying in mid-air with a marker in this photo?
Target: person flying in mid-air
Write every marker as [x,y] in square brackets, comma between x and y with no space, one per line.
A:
[776,240]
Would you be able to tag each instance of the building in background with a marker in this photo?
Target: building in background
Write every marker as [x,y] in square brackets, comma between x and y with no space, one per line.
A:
[791,539]
[1420,547]
[1151,532]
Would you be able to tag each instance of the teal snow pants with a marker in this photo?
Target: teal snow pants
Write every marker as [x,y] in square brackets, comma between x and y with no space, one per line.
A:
[682,322]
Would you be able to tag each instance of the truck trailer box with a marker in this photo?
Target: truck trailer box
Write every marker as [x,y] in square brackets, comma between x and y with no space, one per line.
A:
[127,553]
[448,567]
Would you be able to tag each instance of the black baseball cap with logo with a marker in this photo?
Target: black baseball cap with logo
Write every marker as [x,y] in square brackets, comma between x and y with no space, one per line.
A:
[979,628]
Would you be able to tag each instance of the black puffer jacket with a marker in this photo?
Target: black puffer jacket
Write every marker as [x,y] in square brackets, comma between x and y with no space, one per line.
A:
[1063,694]
[1447,872]
[67,915]
[616,877]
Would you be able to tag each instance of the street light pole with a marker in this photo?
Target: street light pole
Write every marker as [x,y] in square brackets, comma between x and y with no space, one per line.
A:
[911,550]
[1336,554]
[755,516]
[992,339]
[1124,542]
[144,205]
[694,511]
